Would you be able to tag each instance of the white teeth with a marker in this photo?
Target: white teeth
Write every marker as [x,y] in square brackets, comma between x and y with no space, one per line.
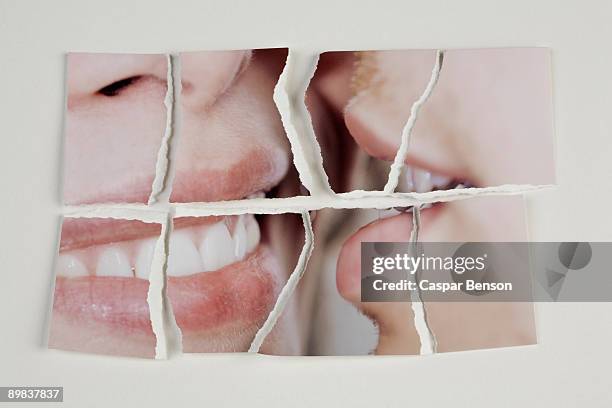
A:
[114,262]
[184,258]
[217,247]
[259,194]
[406,179]
[421,180]
[440,181]
[191,250]
[240,239]
[253,234]
[70,266]
[145,258]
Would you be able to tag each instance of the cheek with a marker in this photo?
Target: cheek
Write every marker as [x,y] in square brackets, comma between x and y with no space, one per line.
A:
[111,147]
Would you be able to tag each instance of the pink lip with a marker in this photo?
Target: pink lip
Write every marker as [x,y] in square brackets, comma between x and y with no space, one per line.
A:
[257,170]
[382,149]
[393,229]
[242,292]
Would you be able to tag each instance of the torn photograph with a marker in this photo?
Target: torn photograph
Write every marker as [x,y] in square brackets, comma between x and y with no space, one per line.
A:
[458,118]
[335,320]
[115,120]
[208,127]
[229,139]
[101,286]
[224,278]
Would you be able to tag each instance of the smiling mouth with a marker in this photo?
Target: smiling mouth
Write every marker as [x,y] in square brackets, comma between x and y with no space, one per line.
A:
[221,274]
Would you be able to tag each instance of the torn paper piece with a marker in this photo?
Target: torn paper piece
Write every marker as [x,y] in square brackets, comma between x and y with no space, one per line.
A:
[231,144]
[114,125]
[101,287]
[486,120]
[481,319]
[224,277]
[347,317]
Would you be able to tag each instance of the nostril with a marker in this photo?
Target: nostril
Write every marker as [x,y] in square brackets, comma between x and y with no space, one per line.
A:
[117,87]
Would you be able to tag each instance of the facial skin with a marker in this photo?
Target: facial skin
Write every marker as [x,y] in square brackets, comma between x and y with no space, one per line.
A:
[487,123]
[230,144]
[488,119]
[115,120]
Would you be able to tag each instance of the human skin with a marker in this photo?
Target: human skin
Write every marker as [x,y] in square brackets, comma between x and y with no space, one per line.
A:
[489,110]
[231,145]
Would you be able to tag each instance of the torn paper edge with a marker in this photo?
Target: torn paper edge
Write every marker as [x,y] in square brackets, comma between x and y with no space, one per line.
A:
[290,99]
[167,333]
[155,292]
[48,313]
[289,288]
[174,140]
[402,151]
[426,336]
[356,199]
[161,167]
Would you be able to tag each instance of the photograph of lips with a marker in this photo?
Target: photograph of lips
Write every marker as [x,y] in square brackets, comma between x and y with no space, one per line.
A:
[487,122]
[101,285]
[341,324]
[225,275]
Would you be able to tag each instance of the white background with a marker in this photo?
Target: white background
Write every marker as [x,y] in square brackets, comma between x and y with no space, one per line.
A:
[569,367]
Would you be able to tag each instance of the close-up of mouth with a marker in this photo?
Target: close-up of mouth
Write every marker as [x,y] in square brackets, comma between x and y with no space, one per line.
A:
[223,279]
[221,274]
[224,273]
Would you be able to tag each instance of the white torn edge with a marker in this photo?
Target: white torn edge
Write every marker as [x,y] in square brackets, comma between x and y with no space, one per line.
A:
[290,100]
[402,151]
[143,213]
[426,337]
[175,137]
[298,204]
[161,167]
[289,288]
[155,297]
[168,335]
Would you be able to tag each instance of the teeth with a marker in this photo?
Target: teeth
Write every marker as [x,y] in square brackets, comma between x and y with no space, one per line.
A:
[191,250]
[253,234]
[259,194]
[145,258]
[240,239]
[440,181]
[422,180]
[217,248]
[114,262]
[184,258]
[70,266]
[406,179]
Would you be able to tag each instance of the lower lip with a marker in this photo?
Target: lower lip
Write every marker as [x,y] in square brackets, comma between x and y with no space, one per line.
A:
[243,292]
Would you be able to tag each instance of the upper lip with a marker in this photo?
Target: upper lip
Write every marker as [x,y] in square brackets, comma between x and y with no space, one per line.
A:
[78,233]
[253,171]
